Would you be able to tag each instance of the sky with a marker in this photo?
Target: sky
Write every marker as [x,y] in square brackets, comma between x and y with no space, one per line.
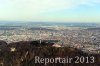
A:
[50,10]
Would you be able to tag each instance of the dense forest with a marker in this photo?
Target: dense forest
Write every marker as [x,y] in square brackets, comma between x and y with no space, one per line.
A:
[23,54]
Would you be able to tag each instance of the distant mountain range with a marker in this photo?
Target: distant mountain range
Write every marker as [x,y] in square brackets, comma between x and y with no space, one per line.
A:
[93,29]
[5,23]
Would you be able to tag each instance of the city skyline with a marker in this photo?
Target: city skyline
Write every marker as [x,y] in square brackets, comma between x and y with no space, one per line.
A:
[50,10]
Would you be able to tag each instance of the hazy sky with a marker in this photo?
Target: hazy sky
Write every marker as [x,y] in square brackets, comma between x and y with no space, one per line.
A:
[50,10]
